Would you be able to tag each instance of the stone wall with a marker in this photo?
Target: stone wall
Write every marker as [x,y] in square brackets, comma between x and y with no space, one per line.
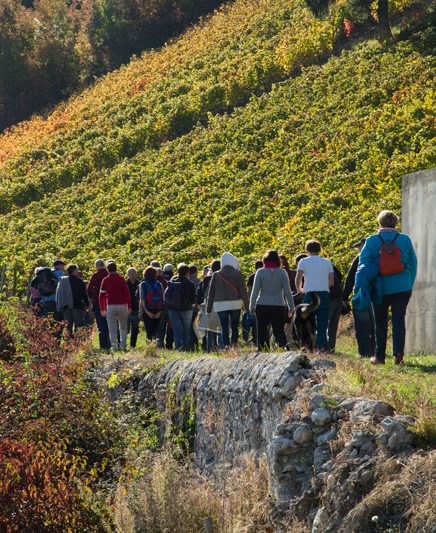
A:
[419,221]
[275,405]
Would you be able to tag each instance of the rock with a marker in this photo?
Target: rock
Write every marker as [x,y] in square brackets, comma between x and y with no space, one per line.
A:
[284,429]
[373,408]
[321,416]
[285,388]
[326,437]
[359,439]
[400,440]
[316,388]
[320,456]
[327,465]
[317,400]
[323,363]
[303,435]
[318,521]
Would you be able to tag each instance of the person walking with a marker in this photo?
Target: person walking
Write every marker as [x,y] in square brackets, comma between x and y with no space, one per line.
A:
[364,327]
[152,301]
[387,271]
[336,306]
[180,299]
[208,321]
[227,293]
[271,301]
[72,299]
[133,321]
[318,277]
[115,304]
[165,333]
[249,320]
[93,290]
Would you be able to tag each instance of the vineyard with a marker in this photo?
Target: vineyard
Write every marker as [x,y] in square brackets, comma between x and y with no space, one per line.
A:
[259,127]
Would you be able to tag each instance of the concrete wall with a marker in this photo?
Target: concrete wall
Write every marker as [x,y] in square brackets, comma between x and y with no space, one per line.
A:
[419,221]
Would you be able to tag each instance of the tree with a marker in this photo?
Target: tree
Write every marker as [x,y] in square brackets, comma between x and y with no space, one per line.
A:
[320,8]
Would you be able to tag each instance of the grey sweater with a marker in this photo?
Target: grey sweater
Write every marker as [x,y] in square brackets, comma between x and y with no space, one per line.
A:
[271,287]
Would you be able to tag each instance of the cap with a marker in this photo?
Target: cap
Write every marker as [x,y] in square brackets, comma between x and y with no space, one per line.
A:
[359,243]
[168,268]
[99,263]
[58,262]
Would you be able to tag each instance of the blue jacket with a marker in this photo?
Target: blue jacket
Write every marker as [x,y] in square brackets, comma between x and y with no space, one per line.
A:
[368,278]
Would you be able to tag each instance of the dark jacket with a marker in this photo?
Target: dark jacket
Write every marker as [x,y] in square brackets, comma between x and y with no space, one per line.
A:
[133,288]
[336,291]
[226,285]
[94,285]
[351,279]
[188,290]
[202,289]
[78,288]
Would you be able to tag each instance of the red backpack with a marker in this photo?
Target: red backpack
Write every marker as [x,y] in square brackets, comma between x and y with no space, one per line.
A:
[390,257]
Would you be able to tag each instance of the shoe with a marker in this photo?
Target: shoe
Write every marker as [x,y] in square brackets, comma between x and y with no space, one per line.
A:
[399,359]
[375,361]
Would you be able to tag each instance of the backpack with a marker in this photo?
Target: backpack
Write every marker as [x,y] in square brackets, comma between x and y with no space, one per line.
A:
[390,257]
[46,282]
[153,299]
[174,297]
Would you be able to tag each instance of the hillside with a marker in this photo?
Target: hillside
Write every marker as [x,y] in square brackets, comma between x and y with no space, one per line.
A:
[244,133]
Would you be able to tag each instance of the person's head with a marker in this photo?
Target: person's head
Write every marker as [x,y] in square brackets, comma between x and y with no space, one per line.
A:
[58,265]
[111,267]
[168,270]
[299,258]
[387,219]
[156,264]
[109,261]
[73,270]
[258,264]
[313,247]
[132,274]
[39,269]
[360,244]
[206,271]
[271,256]
[215,265]
[99,264]
[284,262]
[193,271]
[150,273]
[183,270]
[228,259]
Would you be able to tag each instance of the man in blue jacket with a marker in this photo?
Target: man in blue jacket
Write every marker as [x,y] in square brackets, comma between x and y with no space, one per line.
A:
[386,291]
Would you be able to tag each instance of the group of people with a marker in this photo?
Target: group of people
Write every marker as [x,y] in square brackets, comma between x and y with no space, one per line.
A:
[178,308]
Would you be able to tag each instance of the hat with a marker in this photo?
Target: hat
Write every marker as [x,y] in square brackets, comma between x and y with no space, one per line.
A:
[168,268]
[99,263]
[359,243]
[57,263]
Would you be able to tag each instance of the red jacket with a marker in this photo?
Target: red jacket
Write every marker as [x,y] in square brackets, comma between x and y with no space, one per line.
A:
[93,288]
[114,291]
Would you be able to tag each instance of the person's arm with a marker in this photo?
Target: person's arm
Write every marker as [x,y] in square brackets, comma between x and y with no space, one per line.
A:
[299,281]
[331,279]
[200,293]
[243,291]
[192,294]
[350,279]
[126,294]
[255,292]
[91,286]
[102,298]
[83,293]
[286,286]
[210,294]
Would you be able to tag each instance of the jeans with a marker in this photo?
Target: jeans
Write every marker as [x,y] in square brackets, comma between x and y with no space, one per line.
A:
[321,318]
[210,341]
[365,332]
[398,304]
[117,317]
[249,324]
[274,315]
[334,316]
[103,330]
[75,319]
[181,321]
[133,328]
[229,318]
[165,329]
